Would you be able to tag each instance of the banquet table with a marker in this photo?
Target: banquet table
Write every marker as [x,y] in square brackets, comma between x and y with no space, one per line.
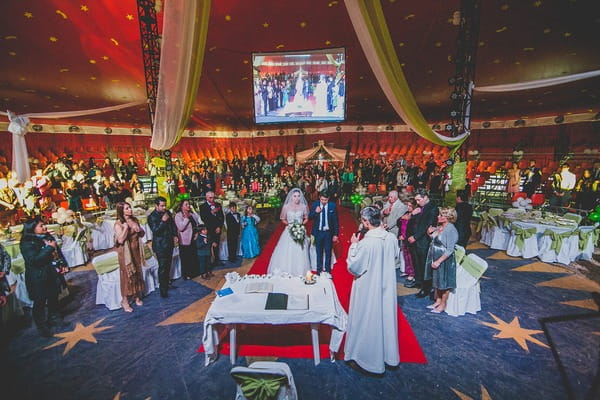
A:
[540,223]
[241,308]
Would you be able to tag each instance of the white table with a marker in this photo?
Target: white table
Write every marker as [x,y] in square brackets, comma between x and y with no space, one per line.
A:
[249,308]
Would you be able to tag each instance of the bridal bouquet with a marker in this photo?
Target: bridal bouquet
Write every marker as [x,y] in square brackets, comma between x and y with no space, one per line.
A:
[298,232]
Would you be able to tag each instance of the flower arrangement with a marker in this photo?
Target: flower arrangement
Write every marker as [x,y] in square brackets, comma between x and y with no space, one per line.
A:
[298,232]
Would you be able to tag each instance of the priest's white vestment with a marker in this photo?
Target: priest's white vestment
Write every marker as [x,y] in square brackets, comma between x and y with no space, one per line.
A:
[372,331]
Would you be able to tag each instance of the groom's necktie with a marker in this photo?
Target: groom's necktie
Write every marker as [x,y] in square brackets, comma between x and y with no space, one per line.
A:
[323,216]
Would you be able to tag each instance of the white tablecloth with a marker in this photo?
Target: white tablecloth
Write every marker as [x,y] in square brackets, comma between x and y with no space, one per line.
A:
[249,308]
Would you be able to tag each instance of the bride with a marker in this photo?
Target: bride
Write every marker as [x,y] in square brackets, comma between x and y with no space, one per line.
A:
[290,256]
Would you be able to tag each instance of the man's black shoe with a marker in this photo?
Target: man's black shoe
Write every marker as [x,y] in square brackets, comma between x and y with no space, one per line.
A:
[164,294]
[422,294]
[171,286]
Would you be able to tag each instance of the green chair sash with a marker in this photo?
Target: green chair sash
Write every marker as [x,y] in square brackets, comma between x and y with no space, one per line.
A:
[585,235]
[106,265]
[459,253]
[472,267]
[494,212]
[557,239]
[17,265]
[260,387]
[522,234]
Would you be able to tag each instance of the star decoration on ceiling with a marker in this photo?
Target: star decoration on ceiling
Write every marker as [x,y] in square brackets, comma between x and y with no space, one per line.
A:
[484,394]
[129,17]
[265,25]
[84,8]
[81,332]
[302,24]
[514,331]
[27,14]
[53,39]
[62,14]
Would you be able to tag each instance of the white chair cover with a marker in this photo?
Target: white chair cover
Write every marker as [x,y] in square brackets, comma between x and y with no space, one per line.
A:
[588,250]
[223,250]
[108,288]
[486,237]
[499,237]
[100,239]
[530,246]
[150,274]
[21,289]
[287,391]
[176,265]
[74,250]
[466,297]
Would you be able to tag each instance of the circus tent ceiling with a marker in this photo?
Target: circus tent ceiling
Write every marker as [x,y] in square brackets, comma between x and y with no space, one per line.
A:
[62,55]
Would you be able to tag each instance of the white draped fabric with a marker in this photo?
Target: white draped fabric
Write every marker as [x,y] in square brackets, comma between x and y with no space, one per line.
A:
[20,162]
[79,113]
[511,87]
[182,50]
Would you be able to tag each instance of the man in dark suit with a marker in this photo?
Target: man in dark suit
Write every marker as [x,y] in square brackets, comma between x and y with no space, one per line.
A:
[325,229]
[421,240]
[533,178]
[233,231]
[164,234]
[212,215]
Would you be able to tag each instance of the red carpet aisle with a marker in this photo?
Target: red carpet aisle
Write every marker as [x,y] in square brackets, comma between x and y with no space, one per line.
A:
[293,341]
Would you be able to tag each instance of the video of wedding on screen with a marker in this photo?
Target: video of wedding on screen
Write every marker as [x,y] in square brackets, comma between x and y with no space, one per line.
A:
[301,86]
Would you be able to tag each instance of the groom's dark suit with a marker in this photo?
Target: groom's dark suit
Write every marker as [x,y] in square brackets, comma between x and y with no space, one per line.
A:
[325,227]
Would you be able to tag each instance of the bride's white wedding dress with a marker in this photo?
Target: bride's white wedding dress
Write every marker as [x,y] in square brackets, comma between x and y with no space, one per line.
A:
[289,256]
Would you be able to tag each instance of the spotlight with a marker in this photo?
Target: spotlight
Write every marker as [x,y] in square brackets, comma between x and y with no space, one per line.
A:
[167,153]
[136,131]
[234,134]
[281,132]
[192,133]
[449,127]
[486,124]
[73,128]
[300,130]
[520,122]
[453,114]
[338,128]
[455,95]
[37,128]
[360,128]
[389,128]
[260,133]
[212,133]
[108,130]
[559,119]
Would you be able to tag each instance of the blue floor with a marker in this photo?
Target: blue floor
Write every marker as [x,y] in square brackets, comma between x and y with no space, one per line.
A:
[136,358]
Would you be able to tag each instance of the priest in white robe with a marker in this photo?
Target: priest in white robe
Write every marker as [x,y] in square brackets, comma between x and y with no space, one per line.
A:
[372,331]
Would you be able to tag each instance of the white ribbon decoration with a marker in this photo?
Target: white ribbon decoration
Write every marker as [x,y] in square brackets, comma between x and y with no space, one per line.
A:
[20,161]
[511,87]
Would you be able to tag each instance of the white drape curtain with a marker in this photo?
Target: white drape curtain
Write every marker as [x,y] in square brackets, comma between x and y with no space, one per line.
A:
[511,87]
[182,50]
[79,113]
[20,161]
[374,37]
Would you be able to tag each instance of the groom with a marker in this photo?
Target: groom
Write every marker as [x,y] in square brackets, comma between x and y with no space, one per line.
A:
[325,229]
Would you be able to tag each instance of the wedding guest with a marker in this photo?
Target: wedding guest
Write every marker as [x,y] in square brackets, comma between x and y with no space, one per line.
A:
[514,180]
[373,300]
[212,215]
[405,222]
[203,251]
[187,222]
[130,250]
[232,219]
[464,212]
[440,258]
[249,240]
[420,240]
[164,234]
[39,250]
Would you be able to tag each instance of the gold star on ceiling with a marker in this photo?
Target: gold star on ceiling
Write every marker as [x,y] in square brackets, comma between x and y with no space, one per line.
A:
[28,15]
[114,41]
[514,331]
[302,24]
[12,53]
[129,17]
[228,18]
[327,43]
[62,14]
[84,8]
[53,39]
[484,394]
[81,332]
[92,61]
[265,25]
[105,58]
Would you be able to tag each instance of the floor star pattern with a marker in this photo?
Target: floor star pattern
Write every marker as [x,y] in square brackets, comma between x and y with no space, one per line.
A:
[514,331]
[81,332]
[484,394]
